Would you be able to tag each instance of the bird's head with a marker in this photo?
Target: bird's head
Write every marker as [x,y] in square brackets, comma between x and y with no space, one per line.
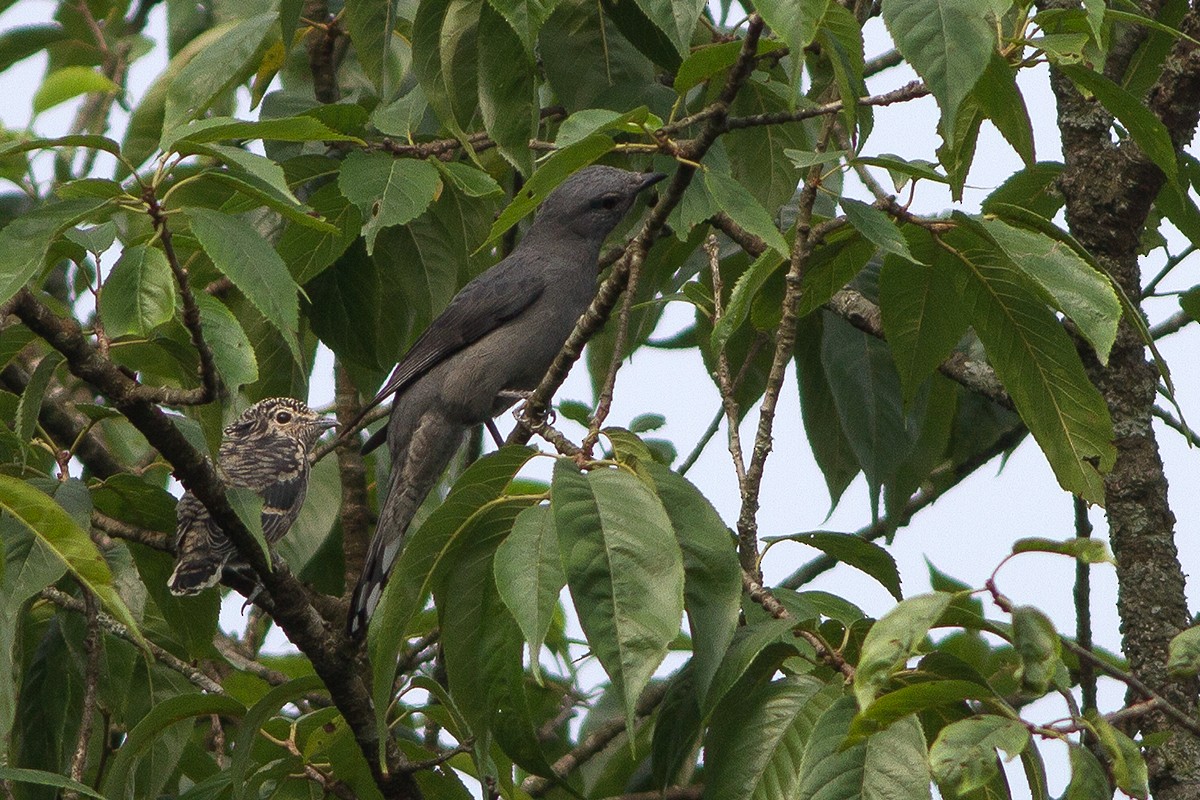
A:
[280,417]
[592,201]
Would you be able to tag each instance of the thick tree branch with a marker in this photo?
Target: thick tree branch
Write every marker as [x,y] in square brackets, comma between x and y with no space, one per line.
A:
[333,657]
[352,472]
[91,678]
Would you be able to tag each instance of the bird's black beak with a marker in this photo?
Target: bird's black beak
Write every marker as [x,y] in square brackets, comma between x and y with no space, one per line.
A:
[650,178]
[325,423]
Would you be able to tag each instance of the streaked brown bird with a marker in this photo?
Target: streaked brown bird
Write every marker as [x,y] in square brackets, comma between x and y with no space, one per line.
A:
[265,450]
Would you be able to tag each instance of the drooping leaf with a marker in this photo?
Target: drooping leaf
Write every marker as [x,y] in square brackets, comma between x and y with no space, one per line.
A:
[712,585]
[853,551]
[1039,367]
[892,763]
[963,757]
[529,576]
[625,571]
[1036,642]
[139,294]
[230,59]
[755,751]
[68,543]
[893,639]
[26,241]
[253,266]
[948,43]
[388,191]
[507,90]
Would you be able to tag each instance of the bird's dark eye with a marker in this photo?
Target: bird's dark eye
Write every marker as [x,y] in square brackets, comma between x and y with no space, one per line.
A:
[283,417]
[608,202]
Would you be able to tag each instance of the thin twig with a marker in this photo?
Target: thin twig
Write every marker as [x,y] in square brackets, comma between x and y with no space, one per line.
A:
[114,628]
[1083,606]
[595,741]
[1176,425]
[724,380]
[91,678]
[123,530]
[210,380]
[762,595]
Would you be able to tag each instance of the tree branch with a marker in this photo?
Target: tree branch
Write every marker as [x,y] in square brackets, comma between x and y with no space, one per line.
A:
[334,658]
[114,628]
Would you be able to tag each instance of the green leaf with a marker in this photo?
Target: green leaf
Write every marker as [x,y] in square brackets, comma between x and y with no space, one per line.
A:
[854,551]
[139,294]
[894,706]
[1001,100]
[1034,189]
[482,646]
[1183,654]
[300,128]
[822,426]
[444,46]
[551,173]
[1089,551]
[230,58]
[256,717]
[17,44]
[1079,291]
[469,180]
[583,124]
[387,190]
[1124,756]
[256,189]
[675,18]
[68,543]
[922,314]
[794,21]
[507,90]
[241,254]
[529,576]
[625,571]
[891,764]
[866,392]
[736,201]
[91,141]
[893,639]
[68,82]
[1040,368]
[150,728]
[40,778]
[755,751]
[704,62]
[1146,129]
[712,586]
[749,643]
[308,252]
[248,506]
[948,43]
[878,228]
[1088,780]
[1037,643]
[737,309]
[26,241]
[963,757]
[526,18]
[232,351]
[30,405]
[367,23]
[425,552]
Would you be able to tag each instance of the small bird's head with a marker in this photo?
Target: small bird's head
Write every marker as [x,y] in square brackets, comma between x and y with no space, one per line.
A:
[592,201]
[281,417]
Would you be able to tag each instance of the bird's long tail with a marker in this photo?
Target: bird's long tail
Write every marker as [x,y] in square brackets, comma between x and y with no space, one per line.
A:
[203,551]
[415,471]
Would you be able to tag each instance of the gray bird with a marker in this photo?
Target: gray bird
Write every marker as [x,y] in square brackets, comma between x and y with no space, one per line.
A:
[493,343]
[265,450]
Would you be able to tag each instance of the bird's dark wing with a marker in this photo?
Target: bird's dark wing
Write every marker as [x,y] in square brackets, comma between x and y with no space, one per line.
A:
[281,505]
[477,310]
